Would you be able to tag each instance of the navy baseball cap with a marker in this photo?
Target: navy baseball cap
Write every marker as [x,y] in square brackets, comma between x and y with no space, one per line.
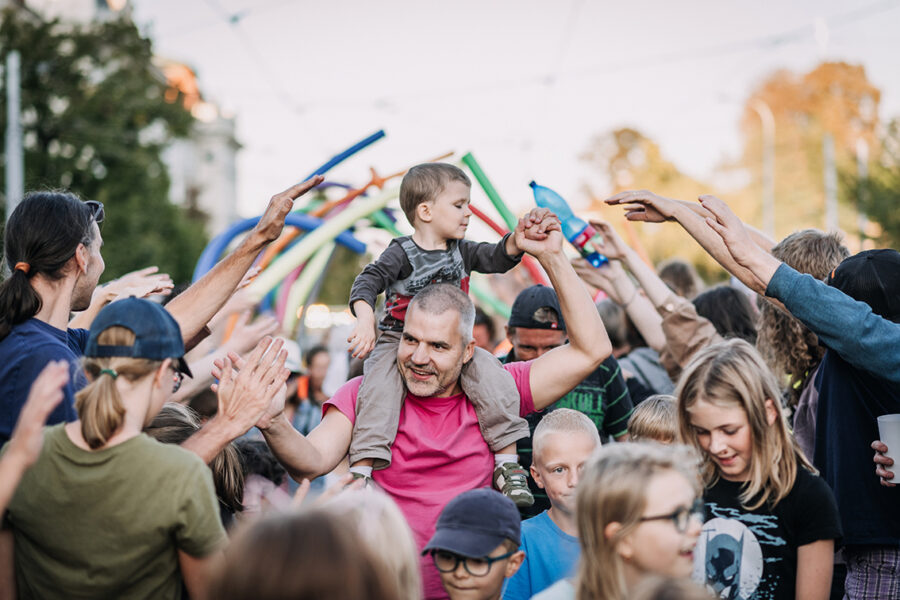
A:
[474,523]
[528,302]
[157,335]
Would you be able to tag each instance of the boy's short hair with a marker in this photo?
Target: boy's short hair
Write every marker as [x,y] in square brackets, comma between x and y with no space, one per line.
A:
[424,182]
[562,420]
[656,418]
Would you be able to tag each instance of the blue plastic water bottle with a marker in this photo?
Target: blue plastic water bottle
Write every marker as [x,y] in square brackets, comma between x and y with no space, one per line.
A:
[576,230]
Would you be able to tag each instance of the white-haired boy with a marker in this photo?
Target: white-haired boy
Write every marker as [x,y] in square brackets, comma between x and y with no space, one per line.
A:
[563,441]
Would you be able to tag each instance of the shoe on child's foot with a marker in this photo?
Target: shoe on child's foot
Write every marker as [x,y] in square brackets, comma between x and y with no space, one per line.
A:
[512,481]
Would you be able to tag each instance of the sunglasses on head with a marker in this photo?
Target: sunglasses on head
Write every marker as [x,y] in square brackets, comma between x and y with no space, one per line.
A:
[96,208]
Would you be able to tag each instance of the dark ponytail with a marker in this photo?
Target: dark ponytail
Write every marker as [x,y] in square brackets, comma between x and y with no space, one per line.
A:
[42,235]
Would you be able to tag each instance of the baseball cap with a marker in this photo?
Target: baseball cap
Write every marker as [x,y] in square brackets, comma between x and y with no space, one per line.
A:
[157,335]
[474,523]
[528,302]
[873,277]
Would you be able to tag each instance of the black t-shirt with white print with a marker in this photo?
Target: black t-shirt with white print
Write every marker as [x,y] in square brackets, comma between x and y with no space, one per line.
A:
[752,554]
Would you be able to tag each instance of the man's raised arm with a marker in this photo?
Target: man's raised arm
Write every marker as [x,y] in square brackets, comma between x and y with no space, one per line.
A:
[845,325]
[196,305]
[557,372]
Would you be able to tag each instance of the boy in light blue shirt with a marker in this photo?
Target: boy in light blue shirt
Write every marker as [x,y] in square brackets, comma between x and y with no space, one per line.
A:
[563,442]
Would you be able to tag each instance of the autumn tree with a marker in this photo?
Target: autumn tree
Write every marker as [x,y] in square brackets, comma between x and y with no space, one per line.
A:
[835,98]
[96,121]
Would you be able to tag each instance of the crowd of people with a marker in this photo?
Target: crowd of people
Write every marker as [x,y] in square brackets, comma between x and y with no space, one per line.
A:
[673,440]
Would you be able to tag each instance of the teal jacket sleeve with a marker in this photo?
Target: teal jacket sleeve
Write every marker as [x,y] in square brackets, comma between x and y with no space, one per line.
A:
[846,326]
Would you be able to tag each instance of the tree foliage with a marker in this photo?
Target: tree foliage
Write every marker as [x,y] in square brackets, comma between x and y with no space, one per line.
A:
[95,121]
[879,194]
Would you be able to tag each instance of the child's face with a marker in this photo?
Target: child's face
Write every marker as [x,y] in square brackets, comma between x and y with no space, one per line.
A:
[656,545]
[450,211]
[557,467]
[724,433]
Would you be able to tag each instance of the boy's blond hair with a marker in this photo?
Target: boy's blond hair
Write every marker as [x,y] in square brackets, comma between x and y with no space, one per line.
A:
[424,182]
[562,420]
[656,418]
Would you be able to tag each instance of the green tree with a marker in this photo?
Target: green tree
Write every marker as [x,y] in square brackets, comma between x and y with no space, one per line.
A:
[96,120]
[878,195]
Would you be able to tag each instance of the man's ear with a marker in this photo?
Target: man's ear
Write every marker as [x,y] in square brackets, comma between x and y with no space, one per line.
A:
[81,258]
[514,562]
[771,412]
[469,351]
[424,212]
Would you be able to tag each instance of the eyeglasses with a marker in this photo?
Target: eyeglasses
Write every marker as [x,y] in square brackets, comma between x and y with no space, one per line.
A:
[447,562]
[96,208]
[177,379]
[682,516]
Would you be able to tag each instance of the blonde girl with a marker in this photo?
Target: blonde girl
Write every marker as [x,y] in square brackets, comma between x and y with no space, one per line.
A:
[638,512]
[106,511]
[771,521]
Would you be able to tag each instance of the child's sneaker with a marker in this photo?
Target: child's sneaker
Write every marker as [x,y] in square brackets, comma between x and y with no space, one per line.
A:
[512,481]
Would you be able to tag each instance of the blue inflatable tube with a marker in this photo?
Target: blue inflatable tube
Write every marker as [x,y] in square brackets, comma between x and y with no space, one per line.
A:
[217,246]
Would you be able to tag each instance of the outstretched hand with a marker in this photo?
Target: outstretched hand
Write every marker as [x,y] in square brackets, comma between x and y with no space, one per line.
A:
[271,224]
[644,205]
[612,246]
[141,283]
[249,387]
[739,244]
[45,394]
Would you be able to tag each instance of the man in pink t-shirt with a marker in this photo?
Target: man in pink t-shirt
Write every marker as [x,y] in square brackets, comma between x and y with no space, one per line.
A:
[439,451]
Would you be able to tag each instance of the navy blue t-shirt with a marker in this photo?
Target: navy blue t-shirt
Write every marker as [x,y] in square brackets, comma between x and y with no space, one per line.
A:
[23,355]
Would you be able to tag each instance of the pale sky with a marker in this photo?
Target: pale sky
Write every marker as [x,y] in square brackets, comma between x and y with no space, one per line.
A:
[521,84]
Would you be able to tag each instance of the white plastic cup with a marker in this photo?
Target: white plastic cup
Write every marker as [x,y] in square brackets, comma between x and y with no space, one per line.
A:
[889,432]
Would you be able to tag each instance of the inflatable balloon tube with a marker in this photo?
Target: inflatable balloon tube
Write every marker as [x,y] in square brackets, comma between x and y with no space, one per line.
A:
[299,291]
[210,255]
[333,228]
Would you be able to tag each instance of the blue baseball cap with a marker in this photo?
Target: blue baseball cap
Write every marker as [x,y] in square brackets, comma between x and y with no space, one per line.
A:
[157,335]
[474,523]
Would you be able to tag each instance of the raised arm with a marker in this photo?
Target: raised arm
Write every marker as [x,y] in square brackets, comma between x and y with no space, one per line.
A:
[558,371]
[847,326]
[196,306]
[613,280]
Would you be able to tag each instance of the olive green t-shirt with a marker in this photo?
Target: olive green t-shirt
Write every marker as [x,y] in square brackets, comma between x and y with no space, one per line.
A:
[109,523]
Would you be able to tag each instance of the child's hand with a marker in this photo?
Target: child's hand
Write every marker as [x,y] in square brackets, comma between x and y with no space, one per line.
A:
[362,340]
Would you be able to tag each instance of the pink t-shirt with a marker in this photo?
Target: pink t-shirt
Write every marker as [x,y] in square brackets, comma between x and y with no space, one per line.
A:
[438,453]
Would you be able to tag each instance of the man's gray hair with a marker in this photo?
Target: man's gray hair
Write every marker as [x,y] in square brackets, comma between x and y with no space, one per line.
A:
[439,298]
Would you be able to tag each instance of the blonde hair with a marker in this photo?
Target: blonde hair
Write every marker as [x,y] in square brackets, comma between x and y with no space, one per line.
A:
[788,347]
[733,374]
[99,404]
[383,530]
[424,182]
[562,420]
[656,419]
[613,489]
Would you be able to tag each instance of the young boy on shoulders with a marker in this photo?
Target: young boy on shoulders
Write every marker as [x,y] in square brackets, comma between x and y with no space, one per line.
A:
[435,199]
[563,441]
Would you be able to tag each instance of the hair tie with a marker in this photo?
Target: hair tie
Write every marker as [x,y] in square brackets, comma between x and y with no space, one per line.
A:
[111,372]
[22,266]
